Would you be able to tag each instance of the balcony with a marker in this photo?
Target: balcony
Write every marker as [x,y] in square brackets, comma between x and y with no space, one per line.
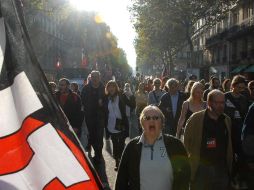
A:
[234,57]
[244,54]
[213,40]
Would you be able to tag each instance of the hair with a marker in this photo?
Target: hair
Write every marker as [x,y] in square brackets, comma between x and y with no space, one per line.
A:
[202,81]
[151,107]
[237,80]
[94,72]
[52,84]
[251,83]
[213,93]
[213,78]
[193,88]
[127,84]
[64,79]
[171,82]
[224,84]
[112,83]
[75,85]
[156,80]
[189,86]
[141,83]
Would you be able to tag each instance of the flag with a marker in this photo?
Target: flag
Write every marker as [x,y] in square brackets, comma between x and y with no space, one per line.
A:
[84,61]
[38,149]
[165,72]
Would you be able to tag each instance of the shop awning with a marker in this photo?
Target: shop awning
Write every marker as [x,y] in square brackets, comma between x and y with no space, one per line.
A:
[239,69]
[250,69]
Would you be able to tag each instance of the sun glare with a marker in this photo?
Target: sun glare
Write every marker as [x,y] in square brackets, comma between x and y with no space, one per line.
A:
[115,14]
[87,5]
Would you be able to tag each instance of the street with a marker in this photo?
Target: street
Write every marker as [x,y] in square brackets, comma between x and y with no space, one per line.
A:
[106,169]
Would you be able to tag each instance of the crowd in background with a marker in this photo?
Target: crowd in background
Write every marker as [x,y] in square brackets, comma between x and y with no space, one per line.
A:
[212,121]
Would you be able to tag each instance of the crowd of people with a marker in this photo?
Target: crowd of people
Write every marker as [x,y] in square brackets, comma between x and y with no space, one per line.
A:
[184,135]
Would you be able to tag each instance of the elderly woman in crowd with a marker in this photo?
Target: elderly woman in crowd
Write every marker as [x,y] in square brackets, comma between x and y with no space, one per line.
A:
[153,160]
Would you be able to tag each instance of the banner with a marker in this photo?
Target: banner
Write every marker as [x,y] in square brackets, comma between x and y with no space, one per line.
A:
[38,149]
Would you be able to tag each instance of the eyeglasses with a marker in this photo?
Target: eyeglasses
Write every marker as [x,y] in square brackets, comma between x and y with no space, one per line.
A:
[148,118]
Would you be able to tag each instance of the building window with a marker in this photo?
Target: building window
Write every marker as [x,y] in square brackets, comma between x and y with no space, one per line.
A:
[245,48]
[234,50]
[235,18]
[245,12]
[224,59]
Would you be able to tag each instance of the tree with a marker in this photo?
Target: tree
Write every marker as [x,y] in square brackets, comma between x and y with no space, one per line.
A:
[166,25]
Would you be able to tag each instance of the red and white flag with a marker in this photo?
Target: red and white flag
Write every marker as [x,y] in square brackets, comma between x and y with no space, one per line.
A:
[84,61]
[38,149]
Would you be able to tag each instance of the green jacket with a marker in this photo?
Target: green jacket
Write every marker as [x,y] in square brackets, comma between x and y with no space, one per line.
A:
[193,138]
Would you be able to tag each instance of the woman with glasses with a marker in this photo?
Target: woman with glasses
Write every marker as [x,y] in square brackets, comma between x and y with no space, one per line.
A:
[153,160]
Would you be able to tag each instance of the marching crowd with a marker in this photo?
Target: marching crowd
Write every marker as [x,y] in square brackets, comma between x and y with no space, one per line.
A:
[184,135]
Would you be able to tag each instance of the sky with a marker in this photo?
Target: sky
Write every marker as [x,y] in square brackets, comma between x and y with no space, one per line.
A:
[116,15]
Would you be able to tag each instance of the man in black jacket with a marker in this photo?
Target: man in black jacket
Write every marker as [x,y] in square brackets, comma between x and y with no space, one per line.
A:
[171,105]
[92,96]
[70,102]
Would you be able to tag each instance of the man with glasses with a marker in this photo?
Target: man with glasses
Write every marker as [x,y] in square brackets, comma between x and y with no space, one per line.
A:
[154,97]
[236,107]
[207,138]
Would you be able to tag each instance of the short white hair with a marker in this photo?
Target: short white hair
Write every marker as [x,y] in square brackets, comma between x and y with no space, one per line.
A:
[171,82]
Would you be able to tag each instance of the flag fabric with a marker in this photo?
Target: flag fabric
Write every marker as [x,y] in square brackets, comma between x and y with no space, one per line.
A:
[38,149]
[165,71]
[84,61]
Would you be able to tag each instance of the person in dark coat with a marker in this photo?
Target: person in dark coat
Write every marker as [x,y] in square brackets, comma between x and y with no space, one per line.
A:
[70,102]
[248,145]
[116,119]
[236,107]
[171,105]
[153,160]
[92,97]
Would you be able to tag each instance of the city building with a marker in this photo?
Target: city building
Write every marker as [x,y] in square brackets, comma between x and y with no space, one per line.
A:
[226,48]
[57,55]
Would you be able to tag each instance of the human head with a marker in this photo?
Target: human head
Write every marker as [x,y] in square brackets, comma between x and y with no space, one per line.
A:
[164,81]
[238,84]
[197,90]
[111,88]
[202,81]
[214,82]
[172,85]
[52,86]
[251,87]
[156,83]
[127,87]
[216,102]
[226,85]
[152,126]
[64,85]
[74,87]
[95,78]
[193,77]
[141,87]
[189,86]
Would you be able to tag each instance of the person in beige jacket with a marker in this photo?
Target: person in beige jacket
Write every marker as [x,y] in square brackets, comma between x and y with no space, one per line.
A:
[207,138]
